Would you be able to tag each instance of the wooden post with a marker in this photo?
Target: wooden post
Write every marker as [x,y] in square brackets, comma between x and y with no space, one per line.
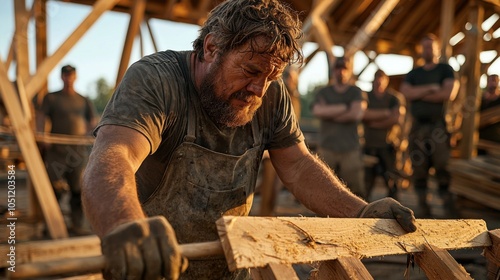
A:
[438,264]
[274,271]
[21,40]
[492,254]
[447,19]
[474,38]
[136,16]
[343,268]
[40,16]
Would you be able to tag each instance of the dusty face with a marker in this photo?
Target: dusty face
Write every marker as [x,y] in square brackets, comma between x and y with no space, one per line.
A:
[234,85]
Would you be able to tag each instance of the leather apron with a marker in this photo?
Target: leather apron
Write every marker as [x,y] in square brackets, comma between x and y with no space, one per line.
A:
[198,187]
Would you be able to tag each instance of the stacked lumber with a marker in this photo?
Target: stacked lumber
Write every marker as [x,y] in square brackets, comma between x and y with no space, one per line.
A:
[477,179]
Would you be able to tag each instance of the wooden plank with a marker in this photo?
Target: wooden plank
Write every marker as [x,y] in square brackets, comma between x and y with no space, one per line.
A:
[33,159]
[274,271]
[257,241]
[438,264]
[136,16]
[347,268]
[43,70]
[49,250]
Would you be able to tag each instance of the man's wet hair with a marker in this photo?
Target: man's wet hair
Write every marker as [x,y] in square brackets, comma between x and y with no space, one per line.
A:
[236,22]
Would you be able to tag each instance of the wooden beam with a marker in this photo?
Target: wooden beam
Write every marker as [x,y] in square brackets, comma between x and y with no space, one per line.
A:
[36,168]
[10,55]
[21,40]
[438,264]
[353,13]
[274,271]
[38,80]
[494,2]
[320,11]
[322,36]
[169,7]
[136,16]
[343,268]
[50,250]
[40,15]
[151,34]
[492,255]
[474,38]
[370,26]
[294,240]
[447,20]
[422,7]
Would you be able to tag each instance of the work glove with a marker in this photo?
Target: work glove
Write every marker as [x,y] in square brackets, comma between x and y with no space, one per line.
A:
[388,208]
[143,249]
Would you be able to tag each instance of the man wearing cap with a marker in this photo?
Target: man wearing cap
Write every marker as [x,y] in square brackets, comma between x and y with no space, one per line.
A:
[340,107]
[70,114]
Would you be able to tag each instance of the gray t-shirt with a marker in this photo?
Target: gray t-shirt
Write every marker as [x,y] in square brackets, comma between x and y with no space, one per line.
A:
[69,114]
[377,137]
[155,97]
[336,136]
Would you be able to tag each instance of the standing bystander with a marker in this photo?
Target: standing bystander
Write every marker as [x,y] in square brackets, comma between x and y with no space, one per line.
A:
[70,114]
[428,89]
[383,112]
[340,108]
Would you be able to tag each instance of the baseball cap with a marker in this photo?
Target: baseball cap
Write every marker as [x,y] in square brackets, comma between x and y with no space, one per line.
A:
[67,69]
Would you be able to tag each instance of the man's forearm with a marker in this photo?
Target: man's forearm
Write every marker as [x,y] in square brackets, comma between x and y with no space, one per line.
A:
[324,194]
[328,111]
[109,193]
[418,92]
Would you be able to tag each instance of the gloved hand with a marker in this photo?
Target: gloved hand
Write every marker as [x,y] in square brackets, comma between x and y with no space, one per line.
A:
[388,208]
[143,249]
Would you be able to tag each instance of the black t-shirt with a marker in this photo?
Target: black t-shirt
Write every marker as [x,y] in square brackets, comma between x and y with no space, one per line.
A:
[423,110]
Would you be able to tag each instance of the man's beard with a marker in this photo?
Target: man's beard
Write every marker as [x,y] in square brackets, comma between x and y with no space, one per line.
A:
[221,111]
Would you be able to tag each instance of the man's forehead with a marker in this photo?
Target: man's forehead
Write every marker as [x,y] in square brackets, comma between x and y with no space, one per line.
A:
[264,61]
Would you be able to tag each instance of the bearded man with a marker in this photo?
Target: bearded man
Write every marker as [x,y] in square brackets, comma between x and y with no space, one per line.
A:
[180,143]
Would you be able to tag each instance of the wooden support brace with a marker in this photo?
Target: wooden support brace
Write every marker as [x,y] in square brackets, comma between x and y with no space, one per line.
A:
[274,271]
[438,264]
[36,168]
[492,254]
[347,268]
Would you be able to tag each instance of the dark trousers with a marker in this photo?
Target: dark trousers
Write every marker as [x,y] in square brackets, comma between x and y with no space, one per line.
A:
[385,167]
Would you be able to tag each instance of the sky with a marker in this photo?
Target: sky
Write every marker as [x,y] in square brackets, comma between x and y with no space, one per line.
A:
[97,54]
